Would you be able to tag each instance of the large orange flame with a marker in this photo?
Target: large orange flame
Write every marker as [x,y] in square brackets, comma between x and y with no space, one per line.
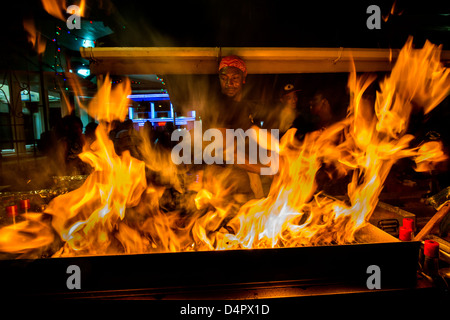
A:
[26,236]
[88,217]
[57,8]
[34,37]
[117,211]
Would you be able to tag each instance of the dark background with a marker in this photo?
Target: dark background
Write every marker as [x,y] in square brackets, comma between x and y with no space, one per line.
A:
[245,23]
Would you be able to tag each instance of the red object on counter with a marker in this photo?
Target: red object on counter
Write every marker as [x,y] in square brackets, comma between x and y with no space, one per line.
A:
[25,204]
[431,249]
[408,223]
[12,211]
[405,233]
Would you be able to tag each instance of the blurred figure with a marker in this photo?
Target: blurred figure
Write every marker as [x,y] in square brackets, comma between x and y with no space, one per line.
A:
[125,137]
[288,107]
[328,178]
[233,112]
[282,117]
[165,140]
[149,131]
[89,133]
[321,111]
[70,141]
[47,141]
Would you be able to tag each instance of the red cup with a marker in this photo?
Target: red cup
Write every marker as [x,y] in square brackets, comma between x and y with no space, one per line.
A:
[431,249]
[12,211]
[408,223]
[405,233]
[25,204]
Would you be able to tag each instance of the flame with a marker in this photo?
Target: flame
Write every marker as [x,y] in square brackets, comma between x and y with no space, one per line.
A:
[34,37]
[394,11]
[82,7]
[88,218]
[57,8]
[109,104]
[366,144]
[429,154]
[25,236]
[130,205]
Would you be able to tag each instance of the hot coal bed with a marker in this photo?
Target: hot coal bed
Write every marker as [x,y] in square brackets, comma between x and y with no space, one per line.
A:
[229,274]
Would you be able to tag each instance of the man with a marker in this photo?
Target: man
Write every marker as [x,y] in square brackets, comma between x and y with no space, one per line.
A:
[283,115]
[232,110]
[232,74]
[321,110]
[288,107]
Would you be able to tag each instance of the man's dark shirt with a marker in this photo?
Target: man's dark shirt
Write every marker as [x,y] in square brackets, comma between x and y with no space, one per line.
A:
[224,112]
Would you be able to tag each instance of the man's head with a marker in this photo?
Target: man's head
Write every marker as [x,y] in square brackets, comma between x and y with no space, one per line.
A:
[288,96]
[320,107]
[232,73]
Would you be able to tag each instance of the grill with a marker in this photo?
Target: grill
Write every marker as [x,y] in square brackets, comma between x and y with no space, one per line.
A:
[232,274]
[217,273]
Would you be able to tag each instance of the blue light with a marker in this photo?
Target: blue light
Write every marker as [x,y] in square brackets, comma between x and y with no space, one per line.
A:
[88,44]
[130,113]
[84,72]
[149,97]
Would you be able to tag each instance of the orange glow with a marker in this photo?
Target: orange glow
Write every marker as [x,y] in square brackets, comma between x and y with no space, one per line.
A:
[26,236]
[82,6]
[88,217]
[429,154]
[34,37]
[394,11]
[119,209]
[56,8]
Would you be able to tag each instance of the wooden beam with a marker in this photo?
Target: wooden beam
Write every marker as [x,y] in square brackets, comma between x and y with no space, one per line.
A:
[433,222]
[205,60]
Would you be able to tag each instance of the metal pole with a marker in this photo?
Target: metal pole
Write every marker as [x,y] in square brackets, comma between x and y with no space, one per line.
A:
[44,97]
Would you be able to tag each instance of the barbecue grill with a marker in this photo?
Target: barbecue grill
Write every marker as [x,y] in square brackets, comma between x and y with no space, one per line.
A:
[232,274]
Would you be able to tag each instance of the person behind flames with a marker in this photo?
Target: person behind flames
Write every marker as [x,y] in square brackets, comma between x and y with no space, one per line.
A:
[321,111]
[233,184]
[233,111]
[284,114]
[326,109]
[69,144]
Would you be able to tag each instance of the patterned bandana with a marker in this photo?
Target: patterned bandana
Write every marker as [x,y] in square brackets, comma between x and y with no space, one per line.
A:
[233,61]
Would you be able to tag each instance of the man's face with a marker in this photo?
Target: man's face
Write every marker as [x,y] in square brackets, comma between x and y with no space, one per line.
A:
[321,107]
[290,100]
[231,82]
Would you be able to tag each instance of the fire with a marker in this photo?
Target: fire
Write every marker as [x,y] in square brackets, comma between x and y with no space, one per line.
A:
[26,236]
[429,154]
[88,217]
[121,209]
[295,213]
[82,7]
[57,8]
[392,12]
[34,37]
